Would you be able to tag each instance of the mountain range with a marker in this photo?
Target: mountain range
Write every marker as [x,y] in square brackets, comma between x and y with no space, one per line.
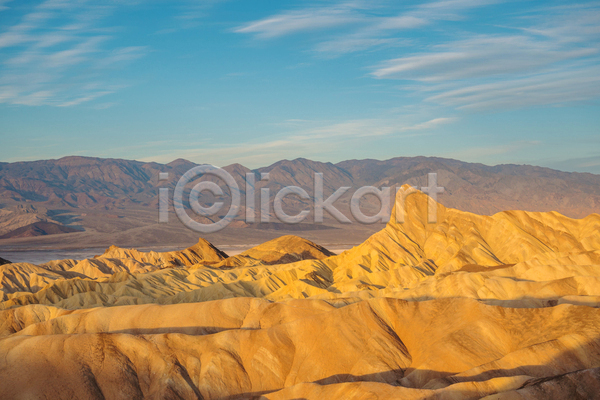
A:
[90,198]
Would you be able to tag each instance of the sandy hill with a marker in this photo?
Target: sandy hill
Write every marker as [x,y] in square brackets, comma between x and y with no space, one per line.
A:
[499,307]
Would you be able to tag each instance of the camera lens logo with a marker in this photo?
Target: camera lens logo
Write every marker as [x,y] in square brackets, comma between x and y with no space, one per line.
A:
[194,202]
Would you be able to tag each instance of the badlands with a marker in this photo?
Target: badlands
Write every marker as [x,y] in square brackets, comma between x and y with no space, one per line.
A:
[470,307]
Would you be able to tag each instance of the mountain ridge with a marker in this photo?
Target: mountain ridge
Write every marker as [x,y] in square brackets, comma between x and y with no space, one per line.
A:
[81,192]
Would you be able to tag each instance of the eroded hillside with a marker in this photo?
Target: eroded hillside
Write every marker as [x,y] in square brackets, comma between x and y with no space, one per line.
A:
[504,306]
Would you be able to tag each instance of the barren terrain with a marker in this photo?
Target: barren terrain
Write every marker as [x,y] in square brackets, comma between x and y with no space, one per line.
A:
[470,307]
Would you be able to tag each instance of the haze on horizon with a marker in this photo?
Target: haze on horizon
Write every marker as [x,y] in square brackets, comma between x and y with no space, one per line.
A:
[255,82]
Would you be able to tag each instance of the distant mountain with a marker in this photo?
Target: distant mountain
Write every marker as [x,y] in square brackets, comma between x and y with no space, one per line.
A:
[94,193]
[82,182]
[484,189]
[300,172]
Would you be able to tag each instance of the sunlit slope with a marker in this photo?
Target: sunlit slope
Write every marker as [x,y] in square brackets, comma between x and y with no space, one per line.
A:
[513,258]
[177,285]
[25,277]
[105,281]
[202,252]
[282,250]
[521,285]
[459,238]
[250,346]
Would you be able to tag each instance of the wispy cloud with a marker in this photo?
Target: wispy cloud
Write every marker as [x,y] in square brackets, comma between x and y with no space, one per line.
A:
[365,28]
[547,55]
[554,60]
[189,14]
[85,99]
[557,87]
[309,19]
[3,4]
[317,140]
[57,54]
[571,23]
[123,55]
[477,57]
[352,44]
[363,128]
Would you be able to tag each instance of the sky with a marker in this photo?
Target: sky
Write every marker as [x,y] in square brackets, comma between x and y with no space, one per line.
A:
[254,82]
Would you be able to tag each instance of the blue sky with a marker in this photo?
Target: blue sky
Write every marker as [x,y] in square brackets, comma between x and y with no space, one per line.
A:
[257,81]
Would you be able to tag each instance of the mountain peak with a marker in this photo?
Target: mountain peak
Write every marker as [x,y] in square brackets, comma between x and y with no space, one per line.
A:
[78,160]
[181,161]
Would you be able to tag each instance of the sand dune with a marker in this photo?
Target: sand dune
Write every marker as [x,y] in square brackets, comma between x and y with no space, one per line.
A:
[503,306]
